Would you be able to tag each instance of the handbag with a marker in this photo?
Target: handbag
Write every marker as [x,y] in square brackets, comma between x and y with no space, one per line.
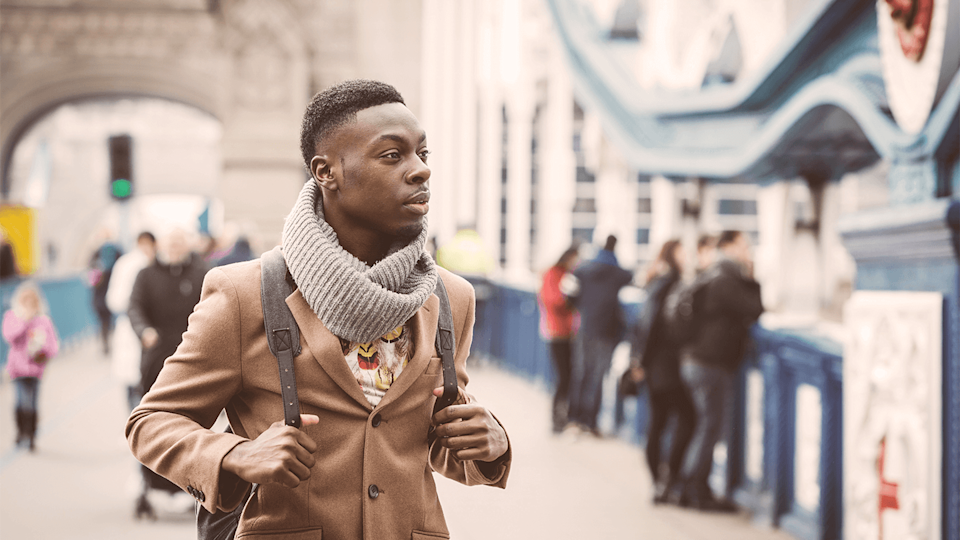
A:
[283,336]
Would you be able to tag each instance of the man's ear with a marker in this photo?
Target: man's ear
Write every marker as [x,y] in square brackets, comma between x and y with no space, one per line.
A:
[322,172]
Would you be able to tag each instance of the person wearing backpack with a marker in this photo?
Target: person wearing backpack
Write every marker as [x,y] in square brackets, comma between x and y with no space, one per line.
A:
[368,370]
[655,359]
[725,304]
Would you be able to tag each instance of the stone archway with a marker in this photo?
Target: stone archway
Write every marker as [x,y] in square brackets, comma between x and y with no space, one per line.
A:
[242,61]
[252,64]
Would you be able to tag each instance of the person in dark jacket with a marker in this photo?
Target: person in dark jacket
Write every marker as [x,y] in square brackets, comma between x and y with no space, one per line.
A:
[101,263]
[724,311]
[163,297]
[602,326]
[655,358]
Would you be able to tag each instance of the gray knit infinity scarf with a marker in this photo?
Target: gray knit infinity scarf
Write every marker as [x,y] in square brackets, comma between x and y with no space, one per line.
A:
[353,300]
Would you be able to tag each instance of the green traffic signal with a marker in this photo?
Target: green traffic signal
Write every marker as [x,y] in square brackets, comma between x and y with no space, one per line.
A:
[120,188]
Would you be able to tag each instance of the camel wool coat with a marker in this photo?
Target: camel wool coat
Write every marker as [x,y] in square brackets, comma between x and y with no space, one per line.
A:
[373,477]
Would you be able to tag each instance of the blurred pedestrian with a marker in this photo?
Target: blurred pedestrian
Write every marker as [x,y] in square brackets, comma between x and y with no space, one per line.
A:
[101,270]
[127,349]
[558,325]
[602,326]
[725,309]
[706,252]
[33,342]
[655,359]
[8,261]
[240,251]
[162,299]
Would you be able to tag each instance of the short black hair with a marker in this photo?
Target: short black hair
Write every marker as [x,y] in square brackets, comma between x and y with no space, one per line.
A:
[611,243]
[146,235]
[338,105]
[728,237]
[706,241]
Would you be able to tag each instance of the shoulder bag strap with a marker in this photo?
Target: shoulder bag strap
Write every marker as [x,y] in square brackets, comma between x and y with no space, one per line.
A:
[446,343]
[283,334]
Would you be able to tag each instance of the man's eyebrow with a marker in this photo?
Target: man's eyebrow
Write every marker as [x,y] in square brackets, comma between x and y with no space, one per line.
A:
[400,139]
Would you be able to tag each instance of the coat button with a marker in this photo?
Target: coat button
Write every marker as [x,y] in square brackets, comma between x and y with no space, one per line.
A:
[373,491]
[375,422]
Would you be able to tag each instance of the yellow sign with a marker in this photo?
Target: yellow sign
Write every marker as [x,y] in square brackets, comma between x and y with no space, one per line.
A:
[17,223]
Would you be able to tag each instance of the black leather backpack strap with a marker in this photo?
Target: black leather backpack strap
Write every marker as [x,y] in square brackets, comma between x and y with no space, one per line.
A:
[283,334]
[446,344]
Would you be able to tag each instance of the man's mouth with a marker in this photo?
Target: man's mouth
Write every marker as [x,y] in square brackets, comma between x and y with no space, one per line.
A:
[419,203]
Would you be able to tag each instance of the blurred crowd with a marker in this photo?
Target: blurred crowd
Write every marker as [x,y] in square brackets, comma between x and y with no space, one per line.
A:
[142,298]
[685,348]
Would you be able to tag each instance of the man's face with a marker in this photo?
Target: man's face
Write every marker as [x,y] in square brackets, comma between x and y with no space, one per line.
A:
[374,174]
[740,249]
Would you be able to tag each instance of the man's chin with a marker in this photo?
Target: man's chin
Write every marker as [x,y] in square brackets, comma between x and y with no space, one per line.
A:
[409,232]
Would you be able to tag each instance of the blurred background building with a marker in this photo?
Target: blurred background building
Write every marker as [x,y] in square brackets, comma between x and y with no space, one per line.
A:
[827,129]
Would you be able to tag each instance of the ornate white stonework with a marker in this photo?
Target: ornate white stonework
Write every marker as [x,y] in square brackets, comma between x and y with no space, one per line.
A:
[892,415]
[806,468]
[754,426]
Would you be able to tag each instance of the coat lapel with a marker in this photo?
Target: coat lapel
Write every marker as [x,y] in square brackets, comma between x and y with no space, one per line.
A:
[424,328]
[325,348]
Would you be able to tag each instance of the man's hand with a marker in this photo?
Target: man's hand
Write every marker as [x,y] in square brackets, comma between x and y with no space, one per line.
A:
[150,338]
[280,455]
[469,430]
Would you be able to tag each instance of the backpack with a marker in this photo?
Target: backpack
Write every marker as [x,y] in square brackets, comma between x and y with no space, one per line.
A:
[283,336]
[681,309]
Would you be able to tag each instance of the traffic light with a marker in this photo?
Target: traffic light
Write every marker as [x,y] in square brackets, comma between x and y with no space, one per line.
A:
[121,167]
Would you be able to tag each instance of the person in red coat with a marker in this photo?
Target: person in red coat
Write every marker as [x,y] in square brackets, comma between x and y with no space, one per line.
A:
[558,325]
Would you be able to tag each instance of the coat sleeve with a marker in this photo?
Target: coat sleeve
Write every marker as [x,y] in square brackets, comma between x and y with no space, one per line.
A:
[13,327]
[442,459]
[169,431]
[137,306]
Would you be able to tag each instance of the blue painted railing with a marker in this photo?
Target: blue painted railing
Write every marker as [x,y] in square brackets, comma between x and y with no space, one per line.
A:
[71,308]
[799,491]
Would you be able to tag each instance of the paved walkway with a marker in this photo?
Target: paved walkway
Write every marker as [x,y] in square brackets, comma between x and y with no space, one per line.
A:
[81,482]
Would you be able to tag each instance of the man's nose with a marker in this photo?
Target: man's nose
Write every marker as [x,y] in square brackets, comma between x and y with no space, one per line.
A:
[420,173]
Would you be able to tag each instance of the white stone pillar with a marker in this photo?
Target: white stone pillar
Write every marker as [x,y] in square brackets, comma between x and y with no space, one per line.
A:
[465,117]
[556,187]
[519,127]
[775,223]
[664,212]
[489,151]
[616,204]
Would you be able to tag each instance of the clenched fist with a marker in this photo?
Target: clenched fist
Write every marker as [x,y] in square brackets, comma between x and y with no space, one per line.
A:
[470,430]
[280,455]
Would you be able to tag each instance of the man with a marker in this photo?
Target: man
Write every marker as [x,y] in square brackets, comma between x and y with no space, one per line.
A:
[127,351]
[727,305]
[368,373]
[706,252]
[602,326]
[163,296]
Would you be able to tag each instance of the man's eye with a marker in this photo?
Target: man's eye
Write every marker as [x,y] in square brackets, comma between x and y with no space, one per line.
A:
[392,155]
[424,154]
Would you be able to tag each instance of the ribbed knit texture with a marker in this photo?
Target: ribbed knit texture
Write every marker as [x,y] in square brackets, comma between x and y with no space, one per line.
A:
[353,300]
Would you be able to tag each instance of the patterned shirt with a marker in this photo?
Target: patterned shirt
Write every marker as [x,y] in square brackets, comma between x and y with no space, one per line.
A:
[376,365]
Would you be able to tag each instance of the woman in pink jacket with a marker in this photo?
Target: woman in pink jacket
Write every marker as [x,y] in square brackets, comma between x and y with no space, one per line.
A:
[33,340]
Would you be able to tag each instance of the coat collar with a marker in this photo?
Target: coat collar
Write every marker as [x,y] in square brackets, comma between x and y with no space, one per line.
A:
[325,348]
